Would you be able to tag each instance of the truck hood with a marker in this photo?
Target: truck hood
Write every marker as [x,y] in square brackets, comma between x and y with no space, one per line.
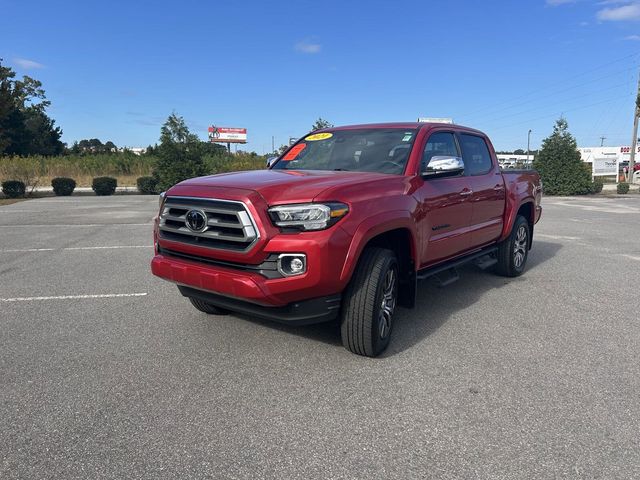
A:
[286,186]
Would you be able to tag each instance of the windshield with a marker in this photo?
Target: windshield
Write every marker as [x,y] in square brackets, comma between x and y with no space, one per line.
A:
[364,150]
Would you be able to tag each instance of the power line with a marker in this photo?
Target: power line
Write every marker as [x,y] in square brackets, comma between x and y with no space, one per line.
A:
[559,113]
[514,99]
[493,111]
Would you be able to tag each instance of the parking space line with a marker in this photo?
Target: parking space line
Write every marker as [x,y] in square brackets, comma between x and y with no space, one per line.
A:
[72,297]
[23,250]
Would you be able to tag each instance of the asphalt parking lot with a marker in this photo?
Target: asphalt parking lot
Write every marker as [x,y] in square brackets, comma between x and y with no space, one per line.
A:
[107,372]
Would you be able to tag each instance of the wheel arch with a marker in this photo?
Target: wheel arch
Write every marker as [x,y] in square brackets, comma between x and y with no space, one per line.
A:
[526,208]
[398,234]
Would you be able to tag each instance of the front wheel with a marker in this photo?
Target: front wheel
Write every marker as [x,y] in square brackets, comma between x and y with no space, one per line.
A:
[514,250]
[207,307]
[369,303]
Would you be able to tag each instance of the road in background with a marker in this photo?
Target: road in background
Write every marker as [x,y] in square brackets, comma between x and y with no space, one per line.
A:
[114,375]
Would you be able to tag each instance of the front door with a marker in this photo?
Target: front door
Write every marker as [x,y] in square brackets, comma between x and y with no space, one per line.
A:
[445,207]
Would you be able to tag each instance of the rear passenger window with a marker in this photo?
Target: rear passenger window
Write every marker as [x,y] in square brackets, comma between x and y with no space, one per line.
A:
[477,160]
[441,144]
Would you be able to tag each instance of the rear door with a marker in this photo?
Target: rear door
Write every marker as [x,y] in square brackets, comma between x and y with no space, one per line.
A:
[445,209]
[488,189]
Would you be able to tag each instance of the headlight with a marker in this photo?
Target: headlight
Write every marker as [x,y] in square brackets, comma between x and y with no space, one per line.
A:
[308,216]
[161,199]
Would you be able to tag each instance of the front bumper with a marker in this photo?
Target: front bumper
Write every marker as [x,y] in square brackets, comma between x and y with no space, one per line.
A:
[306,312]
[325,251]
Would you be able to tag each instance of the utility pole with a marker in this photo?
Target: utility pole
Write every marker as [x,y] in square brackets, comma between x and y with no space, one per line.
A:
[634,139]
[528,146]
[273,144]
[602,139]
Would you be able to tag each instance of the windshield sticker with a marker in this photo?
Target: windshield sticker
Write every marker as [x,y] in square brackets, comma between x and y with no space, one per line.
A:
[319,136]
[294,152]
[407,137]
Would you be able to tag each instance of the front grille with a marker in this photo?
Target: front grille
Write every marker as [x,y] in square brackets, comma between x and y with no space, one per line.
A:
[229,225]
[268,268]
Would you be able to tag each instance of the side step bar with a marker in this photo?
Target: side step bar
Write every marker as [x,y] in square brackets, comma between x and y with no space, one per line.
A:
[447,273]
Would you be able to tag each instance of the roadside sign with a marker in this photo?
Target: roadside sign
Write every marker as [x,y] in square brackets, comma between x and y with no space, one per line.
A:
[227,135]
[604,166]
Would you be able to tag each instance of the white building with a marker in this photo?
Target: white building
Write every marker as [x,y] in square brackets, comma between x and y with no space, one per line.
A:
[511,160]
[621,154]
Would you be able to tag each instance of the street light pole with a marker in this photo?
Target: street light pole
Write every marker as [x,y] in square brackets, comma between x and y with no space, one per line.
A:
[634,139]
[528,145]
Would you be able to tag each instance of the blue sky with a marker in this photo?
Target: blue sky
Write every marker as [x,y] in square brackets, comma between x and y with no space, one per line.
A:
[115,70]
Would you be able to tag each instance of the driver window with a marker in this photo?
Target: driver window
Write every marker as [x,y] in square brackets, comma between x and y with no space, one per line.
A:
[439,144]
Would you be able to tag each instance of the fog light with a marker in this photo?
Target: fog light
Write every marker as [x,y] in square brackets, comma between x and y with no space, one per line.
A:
[290,264]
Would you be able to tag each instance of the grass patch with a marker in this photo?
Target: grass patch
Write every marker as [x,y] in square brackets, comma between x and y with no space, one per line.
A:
[9,201]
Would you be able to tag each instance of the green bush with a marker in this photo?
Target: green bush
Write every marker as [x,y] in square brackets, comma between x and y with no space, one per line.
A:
[63,186]
[147,185]
[104,185]
[596,186]
[623,188]
[13,188]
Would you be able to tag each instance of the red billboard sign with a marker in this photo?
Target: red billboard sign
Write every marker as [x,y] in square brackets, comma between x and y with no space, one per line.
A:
[227,135]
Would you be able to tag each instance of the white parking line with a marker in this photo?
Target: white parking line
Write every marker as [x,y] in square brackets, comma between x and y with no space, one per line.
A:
[22,250]
[81,225]
[72,297]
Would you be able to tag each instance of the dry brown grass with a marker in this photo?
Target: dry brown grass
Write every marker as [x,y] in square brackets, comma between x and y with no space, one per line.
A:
[9,201]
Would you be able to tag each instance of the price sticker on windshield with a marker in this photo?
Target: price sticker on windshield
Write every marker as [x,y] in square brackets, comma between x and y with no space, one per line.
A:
[294,152]
[319,136]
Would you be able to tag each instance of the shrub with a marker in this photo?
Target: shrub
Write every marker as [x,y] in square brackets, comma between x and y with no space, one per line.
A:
[104,185]
[596,186]
[13,188]
[623,188]
[63,186]
[147,185]
[559,164]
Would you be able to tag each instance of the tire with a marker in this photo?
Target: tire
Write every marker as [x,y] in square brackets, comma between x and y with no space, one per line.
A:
[513,252]
[365,325]
[207,307]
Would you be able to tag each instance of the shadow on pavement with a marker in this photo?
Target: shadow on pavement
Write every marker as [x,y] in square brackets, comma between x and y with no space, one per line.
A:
[433,308]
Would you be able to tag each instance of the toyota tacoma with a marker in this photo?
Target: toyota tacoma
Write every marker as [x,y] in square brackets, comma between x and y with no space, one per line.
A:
[343,225]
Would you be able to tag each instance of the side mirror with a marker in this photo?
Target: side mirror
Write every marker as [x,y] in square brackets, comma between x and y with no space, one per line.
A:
[271,161]
[443,166]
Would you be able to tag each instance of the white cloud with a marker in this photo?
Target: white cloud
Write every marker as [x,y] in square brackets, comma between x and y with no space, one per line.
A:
[635,38]
[27,64]
[555,3]
[630,11]
[306,46]
[584,24]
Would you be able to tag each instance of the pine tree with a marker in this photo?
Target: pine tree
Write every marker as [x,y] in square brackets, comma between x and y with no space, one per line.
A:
[561,169]
[321,124]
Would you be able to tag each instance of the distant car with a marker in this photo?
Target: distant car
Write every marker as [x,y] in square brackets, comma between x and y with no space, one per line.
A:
[624,166]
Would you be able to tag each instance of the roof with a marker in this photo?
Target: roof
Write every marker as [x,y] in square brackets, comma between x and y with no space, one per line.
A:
[408,125]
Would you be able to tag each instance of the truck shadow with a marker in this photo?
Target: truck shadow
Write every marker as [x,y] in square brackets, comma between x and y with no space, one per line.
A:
[433,308]
[435,305]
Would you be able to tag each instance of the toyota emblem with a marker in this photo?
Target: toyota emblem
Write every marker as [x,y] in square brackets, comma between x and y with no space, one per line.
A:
[196,221]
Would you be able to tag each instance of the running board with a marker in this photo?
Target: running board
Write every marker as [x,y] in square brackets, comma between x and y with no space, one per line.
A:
[447,272]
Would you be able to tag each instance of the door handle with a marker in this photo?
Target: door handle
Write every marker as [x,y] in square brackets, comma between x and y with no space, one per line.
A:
[466,192]
[498,188]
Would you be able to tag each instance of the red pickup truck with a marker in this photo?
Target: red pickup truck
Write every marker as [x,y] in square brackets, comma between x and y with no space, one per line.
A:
[343,225]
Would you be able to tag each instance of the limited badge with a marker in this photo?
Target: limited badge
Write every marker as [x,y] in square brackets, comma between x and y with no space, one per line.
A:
[319,136]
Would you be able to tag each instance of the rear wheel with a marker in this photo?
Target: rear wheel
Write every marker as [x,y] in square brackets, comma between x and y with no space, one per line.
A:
[207,307]
[369,303]
[513,252]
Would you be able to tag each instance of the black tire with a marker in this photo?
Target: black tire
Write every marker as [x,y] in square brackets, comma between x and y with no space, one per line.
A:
[365,326]
[514,250]
[207,307]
